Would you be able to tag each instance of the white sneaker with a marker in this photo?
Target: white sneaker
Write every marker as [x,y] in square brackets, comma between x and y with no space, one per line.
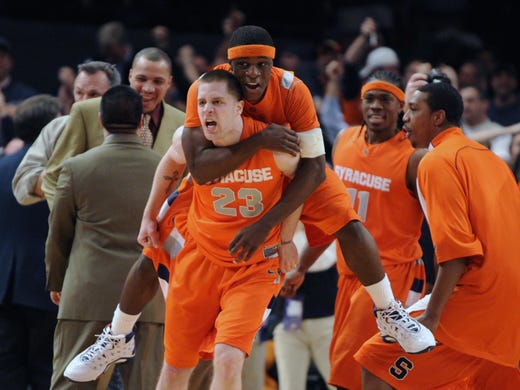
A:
[93,361]
[396,325]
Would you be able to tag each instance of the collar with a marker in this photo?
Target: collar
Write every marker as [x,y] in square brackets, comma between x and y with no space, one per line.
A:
[439,138]
[114,138]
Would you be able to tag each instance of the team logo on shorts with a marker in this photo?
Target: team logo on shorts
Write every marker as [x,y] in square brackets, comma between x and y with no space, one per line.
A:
[401,367]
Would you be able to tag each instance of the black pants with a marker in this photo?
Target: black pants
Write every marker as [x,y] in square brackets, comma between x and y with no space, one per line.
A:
[26,339]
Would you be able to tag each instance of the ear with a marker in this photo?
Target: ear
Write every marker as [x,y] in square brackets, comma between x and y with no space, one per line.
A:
[240,106]
[100,120]
[439,117]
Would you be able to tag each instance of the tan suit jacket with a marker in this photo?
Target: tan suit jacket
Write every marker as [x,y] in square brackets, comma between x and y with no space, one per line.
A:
[84,131]
[92,243]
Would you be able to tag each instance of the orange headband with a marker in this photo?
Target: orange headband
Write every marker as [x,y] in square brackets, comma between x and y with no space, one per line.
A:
[250,51]
[383,86]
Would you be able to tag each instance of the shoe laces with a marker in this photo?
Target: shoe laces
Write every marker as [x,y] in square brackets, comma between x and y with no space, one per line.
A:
[399,315]
[103,342]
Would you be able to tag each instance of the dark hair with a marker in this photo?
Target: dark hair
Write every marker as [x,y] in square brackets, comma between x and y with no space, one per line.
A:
[233,83]
[389,77]
[153,54]
[250,35]
[33,114]
[443,96]
[121,109]
[92,67]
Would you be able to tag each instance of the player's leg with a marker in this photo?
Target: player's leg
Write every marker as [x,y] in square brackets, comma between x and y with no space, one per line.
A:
[173,378]
[329,208]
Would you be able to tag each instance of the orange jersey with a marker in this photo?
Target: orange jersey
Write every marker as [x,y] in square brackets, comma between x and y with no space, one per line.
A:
[375,177]
[236,200]
[472,204]
[287,102]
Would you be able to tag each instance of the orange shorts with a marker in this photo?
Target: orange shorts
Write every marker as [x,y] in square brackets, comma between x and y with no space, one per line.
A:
[212,304]
[329,207]
[354,321]
[442,367]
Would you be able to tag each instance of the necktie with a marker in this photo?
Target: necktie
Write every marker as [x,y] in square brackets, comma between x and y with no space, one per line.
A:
[145,133]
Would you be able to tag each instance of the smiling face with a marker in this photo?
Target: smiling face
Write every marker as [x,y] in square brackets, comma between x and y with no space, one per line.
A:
[381,111]
[254,74]
[419,121]
[219,112]
[151,79]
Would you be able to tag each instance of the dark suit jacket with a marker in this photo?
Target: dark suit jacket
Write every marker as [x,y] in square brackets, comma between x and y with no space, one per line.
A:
[23,230]
[83,131]
[93,227]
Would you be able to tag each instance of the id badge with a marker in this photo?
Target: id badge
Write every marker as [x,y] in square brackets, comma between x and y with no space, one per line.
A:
[292,319]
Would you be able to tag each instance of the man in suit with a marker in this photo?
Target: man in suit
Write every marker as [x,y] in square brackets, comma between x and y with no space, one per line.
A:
[27,315]
[91,245]
[150,76]
[94,79]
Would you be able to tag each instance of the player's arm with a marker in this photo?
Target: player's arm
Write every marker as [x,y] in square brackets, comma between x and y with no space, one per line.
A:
[207,162]
[294,280]
[168,174]
[411,169]
[448,275]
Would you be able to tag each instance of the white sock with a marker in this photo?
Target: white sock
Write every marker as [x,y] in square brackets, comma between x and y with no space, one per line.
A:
[123,323]
[381,293]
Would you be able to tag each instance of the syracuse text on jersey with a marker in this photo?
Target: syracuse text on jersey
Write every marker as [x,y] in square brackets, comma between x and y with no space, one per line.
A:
[362,178]
[256,175]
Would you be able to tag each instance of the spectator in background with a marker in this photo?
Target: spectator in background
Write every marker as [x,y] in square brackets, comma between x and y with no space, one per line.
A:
[93,80]
[12,92]
[114,47]
[66,77]
[475,120]
[27,315]
[504,107]
[473,72]
[378,58]
[233,20]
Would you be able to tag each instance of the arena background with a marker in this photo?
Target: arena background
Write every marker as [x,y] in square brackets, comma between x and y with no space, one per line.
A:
[48,34]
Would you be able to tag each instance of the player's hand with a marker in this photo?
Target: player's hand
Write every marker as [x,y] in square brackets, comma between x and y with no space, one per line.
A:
[149,233]
[288,254]
[278,138]
[429,321]
[293,281]
[56,297]
[416,81]
[247,241]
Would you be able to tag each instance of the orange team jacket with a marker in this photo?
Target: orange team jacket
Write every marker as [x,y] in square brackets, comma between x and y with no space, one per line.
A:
[375,177]
[287,102]
[224,206]
[472,204]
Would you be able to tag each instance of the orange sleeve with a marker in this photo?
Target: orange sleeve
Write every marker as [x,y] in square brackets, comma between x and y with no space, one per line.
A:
[300,110]
[192,115]
[450,227]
